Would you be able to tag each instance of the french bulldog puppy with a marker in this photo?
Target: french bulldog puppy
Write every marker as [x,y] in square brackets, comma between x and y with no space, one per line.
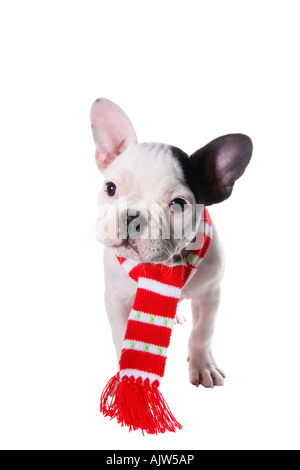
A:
[149,212]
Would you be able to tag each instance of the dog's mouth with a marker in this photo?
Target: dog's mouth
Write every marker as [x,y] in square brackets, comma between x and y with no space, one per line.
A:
[151,254]
[127,243]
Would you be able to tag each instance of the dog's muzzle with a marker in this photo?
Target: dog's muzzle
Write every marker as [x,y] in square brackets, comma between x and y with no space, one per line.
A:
[132,225]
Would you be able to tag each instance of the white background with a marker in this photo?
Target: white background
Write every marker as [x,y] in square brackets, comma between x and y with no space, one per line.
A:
[185,73]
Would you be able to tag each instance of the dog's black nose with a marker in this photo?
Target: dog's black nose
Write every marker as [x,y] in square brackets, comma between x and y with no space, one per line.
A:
[132,225]
[131,218]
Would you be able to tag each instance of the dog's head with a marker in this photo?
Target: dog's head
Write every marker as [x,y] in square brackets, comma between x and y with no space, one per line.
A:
[153,194]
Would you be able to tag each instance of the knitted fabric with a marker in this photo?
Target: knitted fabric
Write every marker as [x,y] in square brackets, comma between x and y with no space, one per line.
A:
[132,395]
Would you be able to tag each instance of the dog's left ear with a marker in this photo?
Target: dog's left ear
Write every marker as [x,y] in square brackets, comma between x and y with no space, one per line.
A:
[219,164]
[112,131]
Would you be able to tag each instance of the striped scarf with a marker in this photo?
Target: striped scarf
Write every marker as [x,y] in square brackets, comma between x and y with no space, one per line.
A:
[132,395]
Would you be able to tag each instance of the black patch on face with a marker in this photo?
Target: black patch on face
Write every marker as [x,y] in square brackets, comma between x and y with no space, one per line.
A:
[190,175]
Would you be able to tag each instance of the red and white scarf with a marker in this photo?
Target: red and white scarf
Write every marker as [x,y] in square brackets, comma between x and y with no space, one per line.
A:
[132,395]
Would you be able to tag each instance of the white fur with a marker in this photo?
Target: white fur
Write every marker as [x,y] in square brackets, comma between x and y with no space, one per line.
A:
[204,292]
[148,178]
[146,174]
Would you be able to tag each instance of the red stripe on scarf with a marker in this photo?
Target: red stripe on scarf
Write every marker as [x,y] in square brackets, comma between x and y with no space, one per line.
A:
[206,217]
[157,304]
[148,333]
[173,276]
[143,361]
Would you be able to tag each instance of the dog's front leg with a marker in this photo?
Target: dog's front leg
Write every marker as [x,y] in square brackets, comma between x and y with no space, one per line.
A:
[119,297]
[202,366]
[118,312]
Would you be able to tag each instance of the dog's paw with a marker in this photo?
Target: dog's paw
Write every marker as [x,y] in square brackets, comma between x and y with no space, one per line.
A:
[203,370]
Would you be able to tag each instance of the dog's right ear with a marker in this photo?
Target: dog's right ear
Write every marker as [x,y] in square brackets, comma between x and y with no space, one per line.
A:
[112,131]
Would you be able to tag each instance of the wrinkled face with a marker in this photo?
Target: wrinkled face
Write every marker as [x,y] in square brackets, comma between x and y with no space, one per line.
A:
[153,194]
[147,210]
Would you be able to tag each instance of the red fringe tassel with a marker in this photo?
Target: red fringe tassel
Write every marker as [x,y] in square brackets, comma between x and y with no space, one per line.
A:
[138,405]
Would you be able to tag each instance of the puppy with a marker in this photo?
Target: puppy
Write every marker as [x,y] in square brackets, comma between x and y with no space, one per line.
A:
[150,208]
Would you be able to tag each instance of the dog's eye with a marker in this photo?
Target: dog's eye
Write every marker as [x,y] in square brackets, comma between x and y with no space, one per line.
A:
[178,205]
[111,189]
